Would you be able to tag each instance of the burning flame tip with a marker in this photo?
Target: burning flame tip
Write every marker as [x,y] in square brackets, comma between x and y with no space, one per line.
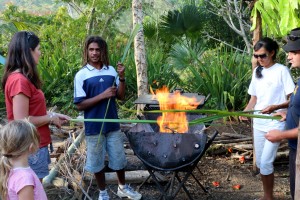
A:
[174,122]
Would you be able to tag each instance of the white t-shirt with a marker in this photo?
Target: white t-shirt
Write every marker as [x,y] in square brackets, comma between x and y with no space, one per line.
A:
[271,89]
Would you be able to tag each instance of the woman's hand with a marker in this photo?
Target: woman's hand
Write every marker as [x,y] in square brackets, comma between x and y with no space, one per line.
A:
[282,114]
[242,118]
[58,119]
[249,107]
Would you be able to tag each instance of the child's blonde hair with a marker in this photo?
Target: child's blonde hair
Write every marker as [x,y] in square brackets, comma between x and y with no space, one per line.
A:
[15,140]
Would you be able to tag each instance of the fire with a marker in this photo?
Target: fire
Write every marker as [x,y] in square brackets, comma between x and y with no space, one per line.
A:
[174,122]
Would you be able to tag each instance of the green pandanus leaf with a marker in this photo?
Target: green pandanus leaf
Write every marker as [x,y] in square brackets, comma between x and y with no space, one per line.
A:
[116,120]
[216,114]
[130,40]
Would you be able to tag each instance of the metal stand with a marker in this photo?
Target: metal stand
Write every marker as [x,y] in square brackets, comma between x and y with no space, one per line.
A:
[170,190]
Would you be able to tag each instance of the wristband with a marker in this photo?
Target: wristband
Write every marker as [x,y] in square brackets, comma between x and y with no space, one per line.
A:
[122,79]
[51,116]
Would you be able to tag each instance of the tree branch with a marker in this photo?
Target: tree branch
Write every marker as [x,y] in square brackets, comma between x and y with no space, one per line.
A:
[110,18]
[211,37]
[230,11]
[76,7]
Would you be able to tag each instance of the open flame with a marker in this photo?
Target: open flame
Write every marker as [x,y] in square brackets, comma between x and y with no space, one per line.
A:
[174,122]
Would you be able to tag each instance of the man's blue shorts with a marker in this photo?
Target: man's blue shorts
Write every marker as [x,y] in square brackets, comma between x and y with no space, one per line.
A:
[111,143]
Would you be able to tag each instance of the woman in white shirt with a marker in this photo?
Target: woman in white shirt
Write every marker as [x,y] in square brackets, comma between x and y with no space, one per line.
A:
[270,87]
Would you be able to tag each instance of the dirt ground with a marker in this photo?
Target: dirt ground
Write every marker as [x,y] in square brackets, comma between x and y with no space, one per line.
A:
[220,168]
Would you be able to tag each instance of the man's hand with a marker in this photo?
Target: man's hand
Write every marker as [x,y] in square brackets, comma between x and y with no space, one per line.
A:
[110,92]
[268,109]
[121,70]
[274,136]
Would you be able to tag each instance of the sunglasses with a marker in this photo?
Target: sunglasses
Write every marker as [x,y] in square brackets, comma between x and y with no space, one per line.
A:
[293,37]
[29,34]
[262,56]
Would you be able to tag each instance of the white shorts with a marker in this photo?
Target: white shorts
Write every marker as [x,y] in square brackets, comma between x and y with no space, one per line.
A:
[265,152]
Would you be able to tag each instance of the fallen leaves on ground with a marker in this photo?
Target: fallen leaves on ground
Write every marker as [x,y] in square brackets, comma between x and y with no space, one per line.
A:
[216,183]
[229,150]
[236,187]
[242,159]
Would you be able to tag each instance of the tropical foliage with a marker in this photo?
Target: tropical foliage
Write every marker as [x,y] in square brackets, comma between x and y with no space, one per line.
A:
[223,73]
[35,7]
[184,46]
[278,16]
[235,15]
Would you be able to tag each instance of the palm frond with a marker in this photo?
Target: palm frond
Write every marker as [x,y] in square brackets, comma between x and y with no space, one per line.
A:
[172,23]
[191,18]
[150,29]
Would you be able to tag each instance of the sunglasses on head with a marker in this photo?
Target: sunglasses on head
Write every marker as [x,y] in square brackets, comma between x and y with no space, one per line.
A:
[29,34]
[262,56]
[293,37]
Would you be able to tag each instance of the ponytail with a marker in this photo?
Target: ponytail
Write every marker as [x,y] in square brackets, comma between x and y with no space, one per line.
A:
[5,167]
[258,71]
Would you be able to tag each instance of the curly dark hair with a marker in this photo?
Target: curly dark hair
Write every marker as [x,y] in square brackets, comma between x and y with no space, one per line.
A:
[104,60]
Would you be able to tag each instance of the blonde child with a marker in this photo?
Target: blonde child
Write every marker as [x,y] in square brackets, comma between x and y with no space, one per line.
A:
[18,139]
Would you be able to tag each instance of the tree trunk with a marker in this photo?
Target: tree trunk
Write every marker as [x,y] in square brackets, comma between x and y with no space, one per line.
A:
[139,50]
[257,35]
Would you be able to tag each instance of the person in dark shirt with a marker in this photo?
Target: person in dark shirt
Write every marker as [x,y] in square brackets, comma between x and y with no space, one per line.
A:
[293,113]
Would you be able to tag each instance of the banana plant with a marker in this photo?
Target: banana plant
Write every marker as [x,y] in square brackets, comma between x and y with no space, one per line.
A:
[278,16]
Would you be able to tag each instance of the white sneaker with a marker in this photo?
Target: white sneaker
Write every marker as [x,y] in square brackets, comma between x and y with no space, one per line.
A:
[103,195]
[128,192]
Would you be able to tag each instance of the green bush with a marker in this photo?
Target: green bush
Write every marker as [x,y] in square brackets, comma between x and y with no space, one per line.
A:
[223,73]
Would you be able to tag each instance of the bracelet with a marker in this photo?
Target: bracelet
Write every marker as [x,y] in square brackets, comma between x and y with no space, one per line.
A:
[51,116]
[122,79]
